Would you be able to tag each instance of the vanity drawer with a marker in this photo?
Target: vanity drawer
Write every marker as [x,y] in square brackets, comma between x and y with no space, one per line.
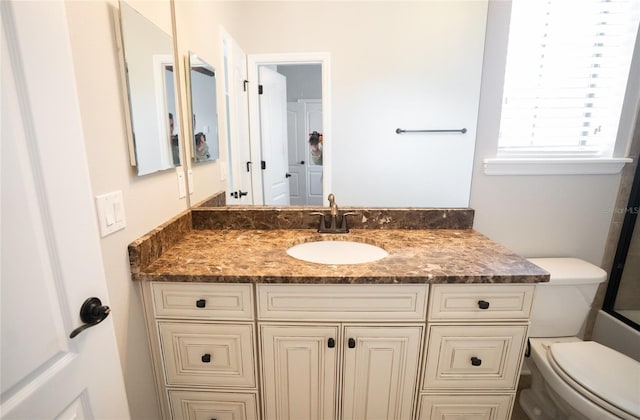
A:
[208,354]
[344,302]
[194,405]
[480,302]
[203,301]
[486,407]
[473,357]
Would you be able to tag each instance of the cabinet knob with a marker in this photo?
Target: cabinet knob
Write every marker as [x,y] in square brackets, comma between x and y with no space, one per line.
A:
[331,343]
[483,304]
[475,361]
[201,303]
[352,343]
[206,358]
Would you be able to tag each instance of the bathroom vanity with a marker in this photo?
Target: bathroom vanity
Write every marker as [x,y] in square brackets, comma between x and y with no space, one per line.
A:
[240,330]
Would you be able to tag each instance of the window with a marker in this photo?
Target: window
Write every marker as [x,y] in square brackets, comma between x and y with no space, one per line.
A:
[567,68]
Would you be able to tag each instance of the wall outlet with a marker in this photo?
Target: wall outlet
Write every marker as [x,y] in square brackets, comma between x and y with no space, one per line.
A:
[111,217]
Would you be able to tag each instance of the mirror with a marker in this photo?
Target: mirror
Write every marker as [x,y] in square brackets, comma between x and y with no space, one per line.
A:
[148,63]
[204,112]
[406,65]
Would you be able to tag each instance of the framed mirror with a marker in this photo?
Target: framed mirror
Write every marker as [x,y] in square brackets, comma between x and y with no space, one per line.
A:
[150,100]
[204,111]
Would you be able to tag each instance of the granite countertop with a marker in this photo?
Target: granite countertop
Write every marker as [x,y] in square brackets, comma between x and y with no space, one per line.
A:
[259,256]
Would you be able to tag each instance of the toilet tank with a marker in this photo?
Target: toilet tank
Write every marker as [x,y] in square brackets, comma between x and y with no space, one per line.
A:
[561,306]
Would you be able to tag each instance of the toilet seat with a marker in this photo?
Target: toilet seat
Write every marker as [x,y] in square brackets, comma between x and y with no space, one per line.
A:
[603,375]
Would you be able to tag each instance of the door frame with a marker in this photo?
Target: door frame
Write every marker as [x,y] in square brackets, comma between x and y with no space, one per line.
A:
[253,62]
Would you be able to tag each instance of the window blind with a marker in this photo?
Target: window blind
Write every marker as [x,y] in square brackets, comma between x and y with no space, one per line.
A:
[566,74]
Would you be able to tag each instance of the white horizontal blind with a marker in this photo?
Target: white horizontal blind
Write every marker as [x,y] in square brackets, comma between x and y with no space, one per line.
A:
[567,68]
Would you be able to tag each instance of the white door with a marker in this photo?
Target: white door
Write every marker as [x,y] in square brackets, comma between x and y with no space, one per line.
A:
[380,372]
[51,260]
[297,153]
[273,135]
[313,116]
[299,371]
[238,124]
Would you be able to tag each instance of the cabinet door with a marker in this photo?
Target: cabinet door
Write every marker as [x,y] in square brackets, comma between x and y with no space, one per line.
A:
[299,371]
[380,370]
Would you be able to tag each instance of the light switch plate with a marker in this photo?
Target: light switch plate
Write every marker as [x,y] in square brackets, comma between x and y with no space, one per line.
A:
[111,217]
[182,193]
[190,181]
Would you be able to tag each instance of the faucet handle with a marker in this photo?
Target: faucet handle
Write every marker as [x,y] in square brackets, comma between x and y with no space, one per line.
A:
[343,225]
[322,225]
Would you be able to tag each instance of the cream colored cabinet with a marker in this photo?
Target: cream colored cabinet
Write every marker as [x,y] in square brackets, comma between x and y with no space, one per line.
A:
[203,342]
[360,368]
[475,342]
[300,371]
[347,352]
[379,366]
[380,370]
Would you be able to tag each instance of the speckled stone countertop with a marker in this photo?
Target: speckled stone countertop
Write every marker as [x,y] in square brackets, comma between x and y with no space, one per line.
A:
[441,255]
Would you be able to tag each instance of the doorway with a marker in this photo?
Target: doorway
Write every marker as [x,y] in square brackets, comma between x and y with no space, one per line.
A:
[288,103]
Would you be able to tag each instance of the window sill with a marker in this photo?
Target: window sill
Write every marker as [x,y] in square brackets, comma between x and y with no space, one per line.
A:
[554,166]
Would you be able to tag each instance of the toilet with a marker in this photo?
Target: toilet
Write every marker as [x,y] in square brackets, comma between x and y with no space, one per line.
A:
[571,378]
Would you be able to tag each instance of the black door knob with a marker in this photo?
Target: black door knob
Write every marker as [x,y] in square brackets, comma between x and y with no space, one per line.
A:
[206,358]
[287,175]
[302,162]
[351,343]
[331,343]
[475,361]
[92,312]
[483,304]
[201,303]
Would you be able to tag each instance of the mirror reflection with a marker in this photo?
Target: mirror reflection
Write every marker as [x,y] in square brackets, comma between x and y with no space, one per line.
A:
[385,66]
[151,100]
[204,112]
[292,149]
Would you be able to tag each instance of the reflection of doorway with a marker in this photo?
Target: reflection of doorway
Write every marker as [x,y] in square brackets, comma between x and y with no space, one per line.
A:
[304,115]
[305,180]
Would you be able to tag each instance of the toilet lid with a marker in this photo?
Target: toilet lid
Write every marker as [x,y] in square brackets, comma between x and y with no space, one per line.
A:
[606,373]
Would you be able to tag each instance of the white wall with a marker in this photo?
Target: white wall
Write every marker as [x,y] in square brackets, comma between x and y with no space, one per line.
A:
[149,200]
[303,81]
[535,216]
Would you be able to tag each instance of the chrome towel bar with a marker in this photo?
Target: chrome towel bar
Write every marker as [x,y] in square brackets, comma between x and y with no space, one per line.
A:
[461,130]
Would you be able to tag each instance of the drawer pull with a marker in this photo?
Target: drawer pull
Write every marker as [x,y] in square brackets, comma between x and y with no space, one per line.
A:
[483,304]
[201,303]
[475,361]
[352,343]
[206,358]
[331,343]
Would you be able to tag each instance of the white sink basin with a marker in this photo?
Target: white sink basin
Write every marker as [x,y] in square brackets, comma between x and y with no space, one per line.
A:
[337,252]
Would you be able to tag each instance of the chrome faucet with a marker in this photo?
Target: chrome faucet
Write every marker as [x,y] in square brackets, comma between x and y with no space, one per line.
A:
[337,223]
